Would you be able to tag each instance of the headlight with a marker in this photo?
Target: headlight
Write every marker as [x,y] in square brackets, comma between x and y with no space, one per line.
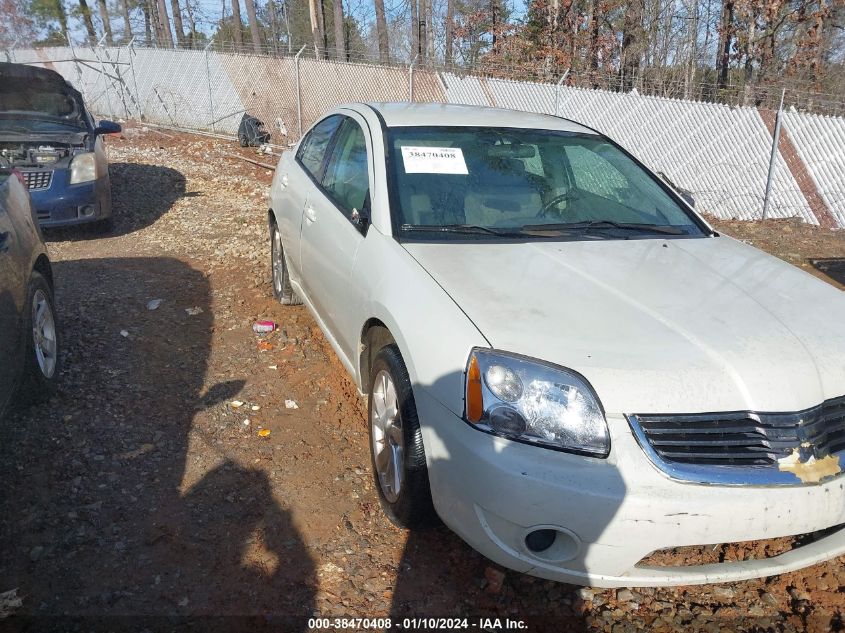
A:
[83,168]
[533,402]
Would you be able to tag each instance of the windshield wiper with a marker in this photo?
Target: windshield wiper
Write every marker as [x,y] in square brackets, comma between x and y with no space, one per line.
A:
[469,229]
[583,227]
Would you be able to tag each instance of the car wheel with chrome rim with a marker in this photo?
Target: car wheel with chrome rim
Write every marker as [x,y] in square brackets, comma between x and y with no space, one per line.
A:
[397,451]
[41,366]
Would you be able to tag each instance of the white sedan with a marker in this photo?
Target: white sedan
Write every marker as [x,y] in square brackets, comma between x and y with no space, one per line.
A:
[563,361]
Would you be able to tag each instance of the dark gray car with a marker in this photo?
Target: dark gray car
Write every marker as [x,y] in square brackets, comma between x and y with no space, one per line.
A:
[29,341]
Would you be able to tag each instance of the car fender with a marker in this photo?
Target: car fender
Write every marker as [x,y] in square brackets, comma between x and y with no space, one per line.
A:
[433,334]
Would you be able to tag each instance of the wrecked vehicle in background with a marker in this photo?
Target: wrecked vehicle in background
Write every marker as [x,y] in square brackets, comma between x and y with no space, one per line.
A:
[48,135]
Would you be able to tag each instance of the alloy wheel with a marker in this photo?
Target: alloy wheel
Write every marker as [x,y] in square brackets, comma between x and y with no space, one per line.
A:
[388,438]
[44,334]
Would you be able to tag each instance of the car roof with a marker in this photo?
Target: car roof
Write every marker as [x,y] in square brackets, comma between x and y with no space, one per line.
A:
[404,114]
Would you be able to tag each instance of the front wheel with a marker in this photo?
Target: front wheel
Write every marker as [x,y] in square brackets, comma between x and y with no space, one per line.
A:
[282,289]
[41,363]
[397,452]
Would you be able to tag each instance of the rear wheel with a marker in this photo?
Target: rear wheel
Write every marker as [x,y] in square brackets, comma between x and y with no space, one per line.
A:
[41,363]
[397,452]
[282,289]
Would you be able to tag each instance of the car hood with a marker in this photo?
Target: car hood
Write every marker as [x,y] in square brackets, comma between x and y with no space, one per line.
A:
[656,326]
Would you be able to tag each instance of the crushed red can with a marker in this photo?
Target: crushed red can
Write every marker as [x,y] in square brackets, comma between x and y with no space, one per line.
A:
[262,327]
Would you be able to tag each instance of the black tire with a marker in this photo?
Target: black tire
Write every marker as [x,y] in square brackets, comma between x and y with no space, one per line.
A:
[282,289]
[35,385]
[413,507]
[242,140]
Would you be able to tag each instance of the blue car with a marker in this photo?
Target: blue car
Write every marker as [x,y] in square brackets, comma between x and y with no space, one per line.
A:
[48,135]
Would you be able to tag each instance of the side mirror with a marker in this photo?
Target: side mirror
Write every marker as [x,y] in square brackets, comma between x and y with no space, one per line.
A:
[108,127]
[361,219]
[688,197]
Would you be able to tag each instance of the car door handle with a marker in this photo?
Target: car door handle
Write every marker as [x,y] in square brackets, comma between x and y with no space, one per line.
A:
[4,241]
[310,214]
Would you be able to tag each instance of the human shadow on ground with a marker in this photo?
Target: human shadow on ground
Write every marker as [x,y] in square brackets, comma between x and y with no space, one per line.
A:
[102,515]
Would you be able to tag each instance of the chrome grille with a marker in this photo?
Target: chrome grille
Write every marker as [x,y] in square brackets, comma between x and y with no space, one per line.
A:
[38,179]
[692,444]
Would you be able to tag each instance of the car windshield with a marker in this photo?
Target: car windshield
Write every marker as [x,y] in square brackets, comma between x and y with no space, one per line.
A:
[38,108]
[494,183]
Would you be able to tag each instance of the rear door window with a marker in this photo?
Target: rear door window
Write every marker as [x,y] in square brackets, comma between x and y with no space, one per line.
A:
[347,178]
[312,151]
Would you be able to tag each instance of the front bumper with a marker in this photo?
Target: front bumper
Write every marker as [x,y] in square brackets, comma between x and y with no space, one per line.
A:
[610,514]
[63,204]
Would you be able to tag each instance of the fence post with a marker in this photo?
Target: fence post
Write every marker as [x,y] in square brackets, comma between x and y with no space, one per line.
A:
[773,157]
[411,79]
[557,89]
[103,74]
[298,90]
[131,49]
[208,83]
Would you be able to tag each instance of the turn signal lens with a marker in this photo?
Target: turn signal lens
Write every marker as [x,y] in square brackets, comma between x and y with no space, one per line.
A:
[475,402]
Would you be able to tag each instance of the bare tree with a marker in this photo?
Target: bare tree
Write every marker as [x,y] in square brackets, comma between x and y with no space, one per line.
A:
[632,40]
[237,24]
[415,30]
[339,39]
[177,22]
[253,25]
[450,32]
[104,17]
[726,30]
[164,22]
[191,23]
[381,30]
[127,24]
[85,12]
[316,32]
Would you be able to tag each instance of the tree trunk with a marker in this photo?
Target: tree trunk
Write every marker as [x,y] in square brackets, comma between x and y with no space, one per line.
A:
[381,31]
[725,40]
[148,22]
[86,19]
[321,22]
[274,28]
[339,39]
[164,21]
[316,35]
[632,36]
[415,30]
[450,32]
[61,16]
[748,83]
[429,30]
[104,17]
[192,38]
[237,24]
[594,43]
[127,24]
[177,23]
[253,25]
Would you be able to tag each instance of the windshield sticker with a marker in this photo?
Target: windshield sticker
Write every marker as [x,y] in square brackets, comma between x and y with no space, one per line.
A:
[434,160]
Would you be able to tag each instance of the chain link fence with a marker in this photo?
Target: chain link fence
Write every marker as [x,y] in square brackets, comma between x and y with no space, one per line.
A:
[721,153]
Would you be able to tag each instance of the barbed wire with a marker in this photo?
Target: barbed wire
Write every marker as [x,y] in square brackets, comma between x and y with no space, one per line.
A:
[800,94]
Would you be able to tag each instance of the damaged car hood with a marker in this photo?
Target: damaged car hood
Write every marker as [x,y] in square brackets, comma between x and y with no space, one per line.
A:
[657,326]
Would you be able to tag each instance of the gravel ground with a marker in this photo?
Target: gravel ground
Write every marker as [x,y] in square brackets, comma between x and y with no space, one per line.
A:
[140,489]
